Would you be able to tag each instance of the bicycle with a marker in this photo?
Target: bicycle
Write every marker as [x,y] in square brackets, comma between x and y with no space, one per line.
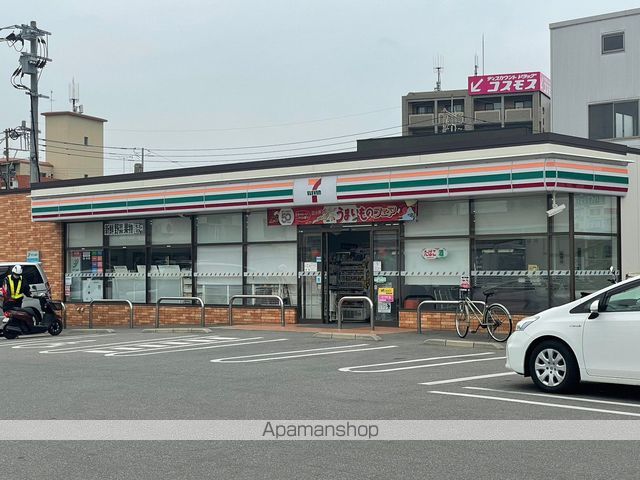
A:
[495,317]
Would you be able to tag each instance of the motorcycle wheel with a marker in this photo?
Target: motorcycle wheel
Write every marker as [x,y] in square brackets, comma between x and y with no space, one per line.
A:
[55,328]
[10,335]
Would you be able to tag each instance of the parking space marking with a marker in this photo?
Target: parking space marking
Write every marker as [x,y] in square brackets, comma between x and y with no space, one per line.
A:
[466,379]
[235,343]
[561,397]
[266,357]
[113,344]
[411,367]
[39,342]
[541,404]
[134,348]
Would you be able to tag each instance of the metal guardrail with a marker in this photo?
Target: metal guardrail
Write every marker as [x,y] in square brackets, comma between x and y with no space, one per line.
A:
[111,300]
[353,299]
[440,302]
[275,297]
[196,299]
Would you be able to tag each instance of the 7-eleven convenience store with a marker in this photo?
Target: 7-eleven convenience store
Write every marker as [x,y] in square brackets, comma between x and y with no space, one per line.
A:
[399,221]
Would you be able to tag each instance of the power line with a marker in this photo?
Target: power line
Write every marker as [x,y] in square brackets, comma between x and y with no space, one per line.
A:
[288,124]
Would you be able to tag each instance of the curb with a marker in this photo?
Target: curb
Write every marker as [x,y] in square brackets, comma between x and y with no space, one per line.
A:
[177,330]
[90,330]
[348,336]
[443,342]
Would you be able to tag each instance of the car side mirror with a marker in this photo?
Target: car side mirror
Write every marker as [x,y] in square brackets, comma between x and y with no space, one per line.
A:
[593,308]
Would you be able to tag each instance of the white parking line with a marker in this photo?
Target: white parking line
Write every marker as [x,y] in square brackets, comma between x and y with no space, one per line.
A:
[561,397]
[39,342]
[542,404]
[361,367]
[190,349]
[113,344]
[303,353]
[466,379]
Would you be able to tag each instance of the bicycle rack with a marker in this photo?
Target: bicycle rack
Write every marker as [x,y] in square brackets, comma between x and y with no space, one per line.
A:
[197,299]
[111,300]
[64,315]
[440,302]
[276,297]
[351,299]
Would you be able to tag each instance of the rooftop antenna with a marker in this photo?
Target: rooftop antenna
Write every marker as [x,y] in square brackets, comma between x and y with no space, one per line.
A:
[51,99]
[74,95]
[438,66]
[483,54]
[475,65]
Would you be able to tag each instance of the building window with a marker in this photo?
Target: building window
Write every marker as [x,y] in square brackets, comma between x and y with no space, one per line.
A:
[271,270]
[508,265]
[613,42]
[510,215]
[219,257]
[125,260]
[86,141]
[613,120]
[83,280]
[440,218]
[422,109]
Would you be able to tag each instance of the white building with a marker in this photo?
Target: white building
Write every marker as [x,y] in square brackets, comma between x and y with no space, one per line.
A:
[595,73]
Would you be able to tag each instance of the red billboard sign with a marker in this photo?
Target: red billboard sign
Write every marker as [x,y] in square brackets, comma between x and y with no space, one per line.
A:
[353,213]
[509,83]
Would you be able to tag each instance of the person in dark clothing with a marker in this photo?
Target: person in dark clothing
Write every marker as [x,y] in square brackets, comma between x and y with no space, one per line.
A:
[15,287]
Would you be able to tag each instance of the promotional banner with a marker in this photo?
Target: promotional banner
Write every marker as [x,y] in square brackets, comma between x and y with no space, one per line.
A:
[328,214]
[509,83]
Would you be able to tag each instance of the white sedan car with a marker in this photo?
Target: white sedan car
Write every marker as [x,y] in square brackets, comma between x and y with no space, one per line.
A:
[593,339]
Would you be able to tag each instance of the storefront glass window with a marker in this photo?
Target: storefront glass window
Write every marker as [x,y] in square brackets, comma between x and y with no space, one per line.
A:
[560,221]
[125,274]
[171,231]
[433,269]
[219,228]
[522,214]
[449,217]
[83,277]
[170,273]
[594,255]
[560,273]
[219,273]
[271,270]
[509,266]
[259,231]
[385,275]
[595,213]
[84,234]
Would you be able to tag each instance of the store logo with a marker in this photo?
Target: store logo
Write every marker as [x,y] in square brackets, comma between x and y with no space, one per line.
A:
[315,191]
[434,253]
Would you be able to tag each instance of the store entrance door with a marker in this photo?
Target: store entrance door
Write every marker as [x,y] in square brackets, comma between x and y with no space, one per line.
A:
[338,261]
[349,273]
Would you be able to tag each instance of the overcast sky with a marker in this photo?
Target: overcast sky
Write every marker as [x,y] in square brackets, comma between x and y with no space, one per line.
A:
[211,74]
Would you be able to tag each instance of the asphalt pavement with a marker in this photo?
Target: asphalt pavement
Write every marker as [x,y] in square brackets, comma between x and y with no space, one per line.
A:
[243,375]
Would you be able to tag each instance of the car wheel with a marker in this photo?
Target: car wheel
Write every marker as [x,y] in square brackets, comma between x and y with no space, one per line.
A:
[553,367]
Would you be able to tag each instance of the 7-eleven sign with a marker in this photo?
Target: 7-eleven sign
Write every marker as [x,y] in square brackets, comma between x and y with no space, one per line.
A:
[314,190]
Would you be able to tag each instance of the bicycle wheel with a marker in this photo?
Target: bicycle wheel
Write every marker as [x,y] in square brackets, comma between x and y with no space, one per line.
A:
[462,320]
[498,321]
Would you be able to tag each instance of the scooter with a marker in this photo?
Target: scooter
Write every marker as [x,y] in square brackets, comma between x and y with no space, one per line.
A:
[29,321]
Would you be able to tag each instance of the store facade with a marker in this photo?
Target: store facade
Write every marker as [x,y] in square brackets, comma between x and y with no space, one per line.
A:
[396,226]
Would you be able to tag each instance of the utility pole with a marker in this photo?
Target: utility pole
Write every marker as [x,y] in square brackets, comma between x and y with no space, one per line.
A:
[142,159]
[30,64]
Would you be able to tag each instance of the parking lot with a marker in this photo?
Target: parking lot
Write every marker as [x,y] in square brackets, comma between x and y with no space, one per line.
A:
[240,374]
